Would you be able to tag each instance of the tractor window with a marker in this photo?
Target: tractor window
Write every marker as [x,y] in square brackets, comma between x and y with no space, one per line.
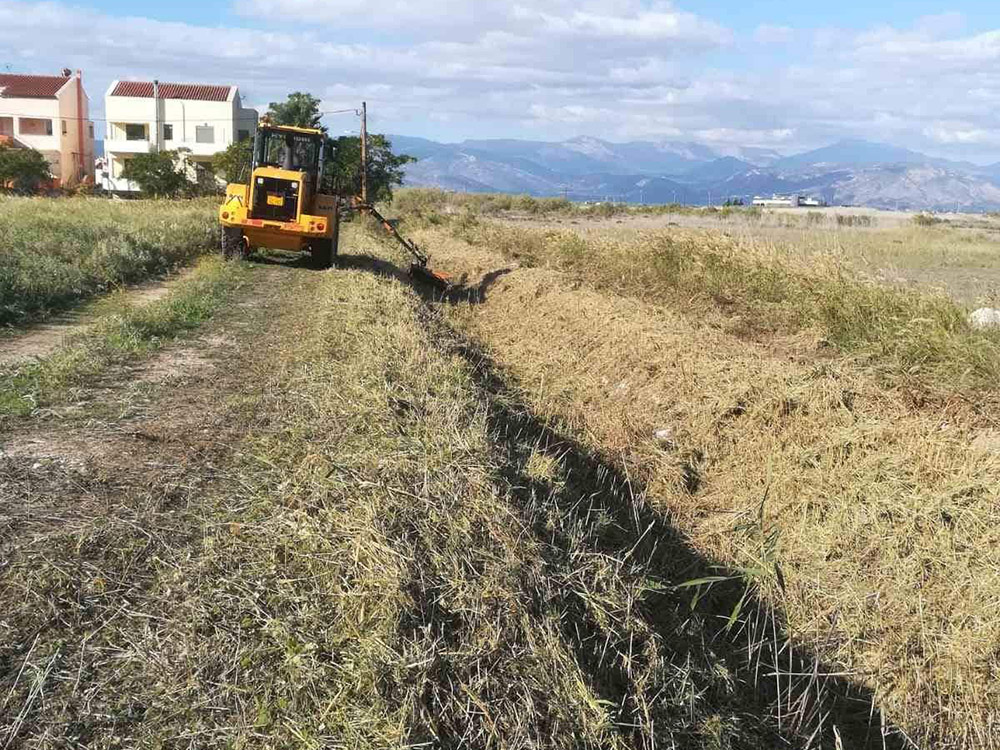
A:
[298,153]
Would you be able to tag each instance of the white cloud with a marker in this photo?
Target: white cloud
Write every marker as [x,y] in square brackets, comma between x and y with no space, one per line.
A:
[769,34]
[611,68]
[962,133]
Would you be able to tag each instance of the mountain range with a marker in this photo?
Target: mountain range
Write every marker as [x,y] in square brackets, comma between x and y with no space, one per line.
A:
[849,172]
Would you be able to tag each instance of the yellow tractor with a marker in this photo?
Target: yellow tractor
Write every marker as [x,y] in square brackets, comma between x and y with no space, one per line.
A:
[279,204]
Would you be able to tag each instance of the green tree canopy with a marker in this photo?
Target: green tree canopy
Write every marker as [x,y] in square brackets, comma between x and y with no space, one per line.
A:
[385,168]
[160,173]
[22,168]
[232,163]
[300,111]
[342,168]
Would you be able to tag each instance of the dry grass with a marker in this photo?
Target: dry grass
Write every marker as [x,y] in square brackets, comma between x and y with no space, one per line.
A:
[760,290]
[380,521]
[54,253]
[859,497]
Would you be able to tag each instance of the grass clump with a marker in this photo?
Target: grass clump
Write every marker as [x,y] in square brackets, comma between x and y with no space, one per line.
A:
[54,253]
[120,335]
[927,220]
[855,220]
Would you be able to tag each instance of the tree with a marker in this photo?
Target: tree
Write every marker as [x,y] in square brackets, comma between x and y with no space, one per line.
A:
[232,163]
[342,168]
[22,169]
[300,111]
[160,173]
[385,169]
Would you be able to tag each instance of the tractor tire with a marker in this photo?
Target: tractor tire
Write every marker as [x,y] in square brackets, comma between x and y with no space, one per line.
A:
[232,242]
[335,240]
[322,253]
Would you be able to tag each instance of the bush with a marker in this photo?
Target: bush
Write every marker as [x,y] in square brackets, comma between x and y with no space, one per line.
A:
[22,169]
[855,220]
[159,173]
[927,220]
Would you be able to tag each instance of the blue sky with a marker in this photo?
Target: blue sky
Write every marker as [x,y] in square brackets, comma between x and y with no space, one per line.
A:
[781,75]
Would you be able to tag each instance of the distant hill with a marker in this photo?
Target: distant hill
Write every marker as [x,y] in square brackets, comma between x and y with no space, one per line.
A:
[719,169]
[847,172]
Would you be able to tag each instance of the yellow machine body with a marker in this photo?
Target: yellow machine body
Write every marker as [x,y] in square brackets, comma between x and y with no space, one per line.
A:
[281,208]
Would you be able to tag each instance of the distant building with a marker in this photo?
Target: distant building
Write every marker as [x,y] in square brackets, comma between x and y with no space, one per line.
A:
[787,201]
[144,116]
[777,201]
[51,115]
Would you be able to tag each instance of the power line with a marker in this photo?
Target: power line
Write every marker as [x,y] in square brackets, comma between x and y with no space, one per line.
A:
[357,113]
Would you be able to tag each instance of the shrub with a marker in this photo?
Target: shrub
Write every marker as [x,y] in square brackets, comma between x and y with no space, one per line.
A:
[927,220]
[22,169]
[854,220]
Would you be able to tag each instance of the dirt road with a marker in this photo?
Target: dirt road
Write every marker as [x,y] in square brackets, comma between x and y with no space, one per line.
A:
[42,339]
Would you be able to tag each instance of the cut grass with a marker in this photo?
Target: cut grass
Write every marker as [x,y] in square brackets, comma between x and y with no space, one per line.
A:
[54,253]
[760,292]
[861,507]
[124,332]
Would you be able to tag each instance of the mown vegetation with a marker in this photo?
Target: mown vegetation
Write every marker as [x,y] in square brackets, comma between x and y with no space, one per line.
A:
[378,545]
[758,291]
[55,253]
[620,489]
[829,436]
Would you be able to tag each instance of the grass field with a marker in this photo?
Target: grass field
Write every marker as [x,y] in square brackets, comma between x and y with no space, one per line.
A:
[55,253]
[832,429]
[685,481]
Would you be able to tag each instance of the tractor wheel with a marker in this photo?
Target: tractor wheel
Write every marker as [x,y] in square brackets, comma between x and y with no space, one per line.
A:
[232,242]
[335,240]
[322,253]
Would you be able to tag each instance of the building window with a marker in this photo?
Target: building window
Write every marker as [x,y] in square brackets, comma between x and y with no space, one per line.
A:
[168,132]
[35,126]
[204,134]
[135,132]
[91,129]
[64,127]
[243,135]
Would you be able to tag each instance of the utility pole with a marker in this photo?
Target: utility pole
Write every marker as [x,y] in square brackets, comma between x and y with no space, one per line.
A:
[156,116]
[364,153]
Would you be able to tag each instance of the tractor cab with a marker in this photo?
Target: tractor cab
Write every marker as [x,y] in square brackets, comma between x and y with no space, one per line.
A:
[286,171]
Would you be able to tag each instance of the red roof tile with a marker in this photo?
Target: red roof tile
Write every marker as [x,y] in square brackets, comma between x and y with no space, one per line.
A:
[18,86]
[144,89]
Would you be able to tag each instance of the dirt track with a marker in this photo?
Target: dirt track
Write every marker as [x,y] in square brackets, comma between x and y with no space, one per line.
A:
[44,338]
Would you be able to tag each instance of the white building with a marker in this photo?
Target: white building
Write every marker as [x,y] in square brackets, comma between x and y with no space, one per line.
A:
[50,114]
[787,201]
[144,116]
